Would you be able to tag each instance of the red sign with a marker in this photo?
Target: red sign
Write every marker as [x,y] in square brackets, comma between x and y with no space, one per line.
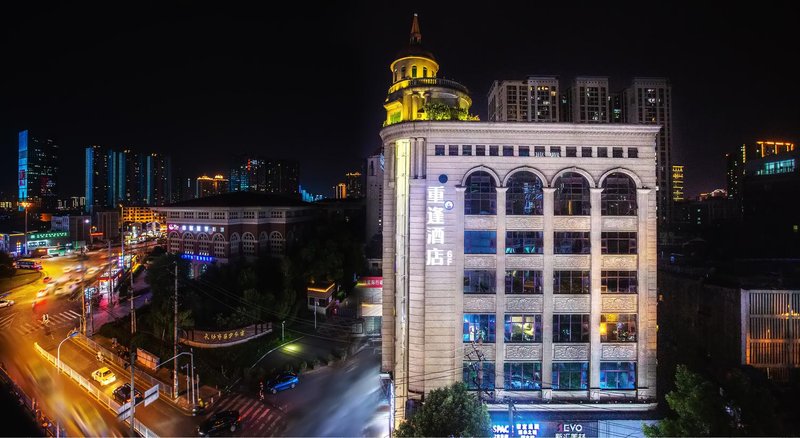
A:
[371,282]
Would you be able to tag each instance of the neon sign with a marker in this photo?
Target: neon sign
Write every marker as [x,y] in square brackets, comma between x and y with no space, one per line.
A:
[50,235]
[434,231]
[198,258]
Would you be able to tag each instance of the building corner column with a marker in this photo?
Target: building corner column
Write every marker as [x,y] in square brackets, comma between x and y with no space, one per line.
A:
[500,275]
[647,299]
[458,331]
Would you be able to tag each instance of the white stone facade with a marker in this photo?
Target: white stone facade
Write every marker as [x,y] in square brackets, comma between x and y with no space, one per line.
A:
[424,301]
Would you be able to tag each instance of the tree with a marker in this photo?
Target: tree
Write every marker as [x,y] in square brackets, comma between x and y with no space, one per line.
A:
[161,278]
[696,406]
[448,411]
[6,265]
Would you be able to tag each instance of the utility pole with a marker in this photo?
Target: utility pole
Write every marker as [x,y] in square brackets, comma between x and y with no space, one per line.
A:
[175,339]
[315,313]
[110,285]
[132,356]
[83,297]
[511,416]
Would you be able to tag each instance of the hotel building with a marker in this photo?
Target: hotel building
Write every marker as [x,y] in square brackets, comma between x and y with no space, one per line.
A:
[519,258]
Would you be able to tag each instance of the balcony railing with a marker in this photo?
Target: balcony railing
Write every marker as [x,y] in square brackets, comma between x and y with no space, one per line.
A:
[425,82]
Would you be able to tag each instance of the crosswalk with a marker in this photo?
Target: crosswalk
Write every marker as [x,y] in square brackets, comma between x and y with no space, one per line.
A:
[9,329]
[258,418]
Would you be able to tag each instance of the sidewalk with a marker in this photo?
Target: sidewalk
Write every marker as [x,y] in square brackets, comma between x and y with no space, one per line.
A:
[119,310]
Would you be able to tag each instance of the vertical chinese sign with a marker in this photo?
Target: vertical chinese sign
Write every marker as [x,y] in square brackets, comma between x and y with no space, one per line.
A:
[435,237]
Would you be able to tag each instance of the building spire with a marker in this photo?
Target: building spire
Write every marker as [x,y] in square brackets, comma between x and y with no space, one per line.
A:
[416,35]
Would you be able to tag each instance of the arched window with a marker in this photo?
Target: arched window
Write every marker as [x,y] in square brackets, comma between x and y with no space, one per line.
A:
[248,244]
[203,246]
[424,72]
[480,196]
[219,245]
[234,244]
[524,195]
[572,195]
[413,71]
[619,195]
[276,243]
[188,243]
[403,73]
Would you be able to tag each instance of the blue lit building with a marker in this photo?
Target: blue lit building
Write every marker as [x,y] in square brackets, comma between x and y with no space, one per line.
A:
[116,177]
[38,169]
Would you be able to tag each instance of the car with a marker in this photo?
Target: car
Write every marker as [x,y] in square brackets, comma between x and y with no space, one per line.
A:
[104,376]
[93,270]
[6,303]
[46,256]
[78,268]
[67,269]
[47,279]
[219,423]
[123,394]
[42,293]
[281,382]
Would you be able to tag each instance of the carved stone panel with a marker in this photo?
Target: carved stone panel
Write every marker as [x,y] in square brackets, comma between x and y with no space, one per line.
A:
[622,262]
[524,261]
[526,304]
[524,222]
[620,223]
[571,303]
[618,303]
[488,222]
[572,261]
[488,351]
[479,261]
[618,351]
[572,223]
[523,352]
[570,351]
[479,303]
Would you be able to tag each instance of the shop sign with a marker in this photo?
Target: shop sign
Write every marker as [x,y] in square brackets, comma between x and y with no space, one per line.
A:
[48,235]
[434,229]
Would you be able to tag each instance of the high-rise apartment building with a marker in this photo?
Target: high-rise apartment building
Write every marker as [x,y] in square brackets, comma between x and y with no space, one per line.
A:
[375,165]
[649,101]
[340,191]
[257,174]
[677,183]
[587,100]
[355,184]
[126,177]
[207,186]
[527,274]
[37,171]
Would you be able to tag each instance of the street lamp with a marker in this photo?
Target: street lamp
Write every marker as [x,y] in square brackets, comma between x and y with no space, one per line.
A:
[71,334]
[25,204]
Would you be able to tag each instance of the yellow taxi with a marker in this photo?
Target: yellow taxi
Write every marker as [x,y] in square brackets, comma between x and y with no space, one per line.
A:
[104,376]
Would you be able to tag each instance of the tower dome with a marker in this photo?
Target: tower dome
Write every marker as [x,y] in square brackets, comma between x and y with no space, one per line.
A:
[415,85]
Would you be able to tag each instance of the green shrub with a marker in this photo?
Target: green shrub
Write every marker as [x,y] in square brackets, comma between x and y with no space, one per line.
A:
[316,363]
[302,367]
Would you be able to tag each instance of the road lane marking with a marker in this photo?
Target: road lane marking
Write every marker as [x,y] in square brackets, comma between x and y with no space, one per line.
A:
[226,402]
[250,407]
[77,315]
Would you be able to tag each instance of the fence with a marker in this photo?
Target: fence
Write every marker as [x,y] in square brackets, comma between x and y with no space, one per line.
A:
[46,424]
[105,400]
[164,388]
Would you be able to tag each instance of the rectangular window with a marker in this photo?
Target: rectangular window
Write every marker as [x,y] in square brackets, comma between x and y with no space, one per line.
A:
[571,242]
[219,215]
[480,242]
[602,152]
[480,150]
[571,328]
[174,215]
[571,282]
[617,375]
[524,282]
[633,153]
[555,151]
[452,149]
[233,215]
[479,282]
[617,152]
[618,282]
[618,243]
[476,376]
[570,375]
[202,215]
[586,152]
[508,151]
[524,151]
[572,151]
[439,149]
[524,242]
[522,376]
[188,215]
[618,327]
[538,151]
[479,328]
[523,328]
[493,151]
[466,149]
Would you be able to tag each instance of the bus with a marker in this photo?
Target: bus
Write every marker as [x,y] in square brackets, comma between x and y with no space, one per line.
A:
[29,264]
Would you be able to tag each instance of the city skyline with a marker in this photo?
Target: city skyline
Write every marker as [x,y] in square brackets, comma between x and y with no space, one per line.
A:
[191,82]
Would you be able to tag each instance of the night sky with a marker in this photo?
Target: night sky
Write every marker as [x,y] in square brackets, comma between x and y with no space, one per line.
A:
[201,81]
